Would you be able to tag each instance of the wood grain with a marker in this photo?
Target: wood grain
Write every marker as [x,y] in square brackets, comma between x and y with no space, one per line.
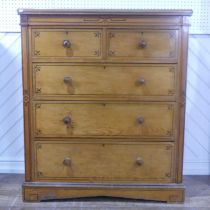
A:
[126,44]
[104,101]
[104,80]
[104,162]
[43,191]
[84,43]
[104,119]
[26,100]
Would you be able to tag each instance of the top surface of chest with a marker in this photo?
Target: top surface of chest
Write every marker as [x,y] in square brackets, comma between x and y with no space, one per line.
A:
[104,18]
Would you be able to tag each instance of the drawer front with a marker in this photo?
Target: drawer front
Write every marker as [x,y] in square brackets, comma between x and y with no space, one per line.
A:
[107,161]
[74,43]
[146,44]
[83,119]
[72,80]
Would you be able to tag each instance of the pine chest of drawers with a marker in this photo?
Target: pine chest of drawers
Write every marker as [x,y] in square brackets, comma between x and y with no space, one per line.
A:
[104,101]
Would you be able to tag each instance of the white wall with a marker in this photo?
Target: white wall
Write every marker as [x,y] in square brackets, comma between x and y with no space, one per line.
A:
[9,20]
[197,128]
[11,112]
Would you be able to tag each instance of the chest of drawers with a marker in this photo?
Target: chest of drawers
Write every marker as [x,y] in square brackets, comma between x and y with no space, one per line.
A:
[104,102]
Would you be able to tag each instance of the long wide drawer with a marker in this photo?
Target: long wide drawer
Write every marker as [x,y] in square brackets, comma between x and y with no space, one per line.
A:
[66,43]
[146,162]
[142,45]
[107,81]
[114,119]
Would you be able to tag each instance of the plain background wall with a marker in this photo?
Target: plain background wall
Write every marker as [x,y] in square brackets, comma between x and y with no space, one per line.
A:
[197,132]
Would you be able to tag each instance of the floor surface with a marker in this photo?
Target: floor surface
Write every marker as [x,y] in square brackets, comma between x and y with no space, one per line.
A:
[197,198]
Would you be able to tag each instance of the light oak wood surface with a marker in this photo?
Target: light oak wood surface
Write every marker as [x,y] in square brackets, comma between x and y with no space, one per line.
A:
[142,44]
[82,43]
[107,80]
[104,119]
[104,103]
[104,162]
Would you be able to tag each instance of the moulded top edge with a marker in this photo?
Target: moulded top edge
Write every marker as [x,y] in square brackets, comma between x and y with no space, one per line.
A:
[137,12]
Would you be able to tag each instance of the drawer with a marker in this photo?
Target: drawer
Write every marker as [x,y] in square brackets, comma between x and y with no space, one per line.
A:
[104,162]
[103,81]
[150,45]
[66,43]
[94,119]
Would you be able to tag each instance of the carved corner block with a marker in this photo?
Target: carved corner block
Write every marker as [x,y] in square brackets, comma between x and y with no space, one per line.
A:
[26,100]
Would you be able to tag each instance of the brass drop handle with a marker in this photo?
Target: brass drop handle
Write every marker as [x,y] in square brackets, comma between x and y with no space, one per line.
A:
[141,81]
[67,80]
[66,44]
[142,44]
[140,120]
[139,161]
[67,120]
[67,161]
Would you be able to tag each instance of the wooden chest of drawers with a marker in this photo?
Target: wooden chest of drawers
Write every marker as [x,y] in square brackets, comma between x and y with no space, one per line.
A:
[104,101]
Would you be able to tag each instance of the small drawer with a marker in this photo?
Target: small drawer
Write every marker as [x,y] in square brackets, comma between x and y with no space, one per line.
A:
[66,43]
[141,45]
[146,162]
[104,81]
[108,119]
